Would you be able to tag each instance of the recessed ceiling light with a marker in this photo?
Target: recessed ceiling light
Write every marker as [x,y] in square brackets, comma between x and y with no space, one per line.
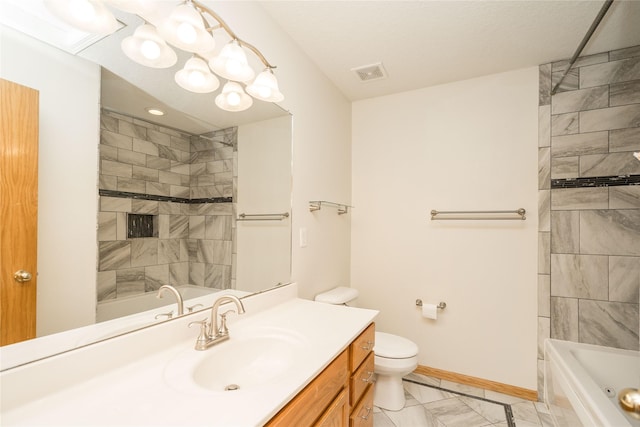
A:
[155,111]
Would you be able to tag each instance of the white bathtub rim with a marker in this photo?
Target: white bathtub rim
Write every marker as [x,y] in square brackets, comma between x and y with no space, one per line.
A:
[592,400]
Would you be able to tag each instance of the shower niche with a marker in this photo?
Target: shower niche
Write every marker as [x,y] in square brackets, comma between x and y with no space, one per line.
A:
[140,225]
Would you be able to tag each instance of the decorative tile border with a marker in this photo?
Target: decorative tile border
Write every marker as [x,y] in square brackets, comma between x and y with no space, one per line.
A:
[598,181]
[158,198]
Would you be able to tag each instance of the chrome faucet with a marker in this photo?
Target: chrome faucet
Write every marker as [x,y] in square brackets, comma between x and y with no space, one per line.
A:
[176,293]
[210,332]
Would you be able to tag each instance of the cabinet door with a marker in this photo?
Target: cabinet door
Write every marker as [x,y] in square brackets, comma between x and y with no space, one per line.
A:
[337,415]
[362,414]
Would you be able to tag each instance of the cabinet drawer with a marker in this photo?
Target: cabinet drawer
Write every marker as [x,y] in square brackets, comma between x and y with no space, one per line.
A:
[362,414]
[311,402]
[361,347]
[361,379]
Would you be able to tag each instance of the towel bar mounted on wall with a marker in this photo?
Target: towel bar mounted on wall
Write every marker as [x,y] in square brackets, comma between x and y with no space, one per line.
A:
[478,215]
[263,217]
[316,205]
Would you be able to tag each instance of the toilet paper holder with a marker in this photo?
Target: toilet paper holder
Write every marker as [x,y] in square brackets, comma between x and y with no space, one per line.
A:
[441,305]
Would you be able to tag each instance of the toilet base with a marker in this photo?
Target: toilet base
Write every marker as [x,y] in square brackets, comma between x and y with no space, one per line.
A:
[389,392]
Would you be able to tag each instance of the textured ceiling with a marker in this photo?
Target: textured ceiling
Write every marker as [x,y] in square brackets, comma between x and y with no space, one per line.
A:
[425,43]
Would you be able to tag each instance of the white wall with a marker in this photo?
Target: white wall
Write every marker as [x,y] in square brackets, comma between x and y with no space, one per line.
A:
[321,148]
[264,186]
[68,177]
[469,145]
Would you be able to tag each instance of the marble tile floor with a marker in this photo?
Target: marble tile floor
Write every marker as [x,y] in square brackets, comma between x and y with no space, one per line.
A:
[432,402]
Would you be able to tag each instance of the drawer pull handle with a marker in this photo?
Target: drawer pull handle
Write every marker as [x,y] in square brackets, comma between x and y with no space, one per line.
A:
[368,379]
[368,345]
[366,416]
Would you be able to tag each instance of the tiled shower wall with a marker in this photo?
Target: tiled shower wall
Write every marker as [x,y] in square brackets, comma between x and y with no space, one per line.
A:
[589,201]
[188,182]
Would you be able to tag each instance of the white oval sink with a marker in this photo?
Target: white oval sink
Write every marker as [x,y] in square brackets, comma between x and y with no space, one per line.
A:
[244,363]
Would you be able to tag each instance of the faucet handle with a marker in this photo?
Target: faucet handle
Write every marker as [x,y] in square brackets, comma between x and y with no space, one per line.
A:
[193,307]
[168,315]
[203,336]
[223,330]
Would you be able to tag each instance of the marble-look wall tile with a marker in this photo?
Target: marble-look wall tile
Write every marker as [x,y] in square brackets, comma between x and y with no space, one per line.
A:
[580,100]
[565,124]
[628,52]
[544,253]
[144,173]
[625,93]
[624,279]
[106,226]
[131,185]
[114,255]
[158,163]
[106,287]
[565,167]
[108,167]
[108,123]
[107,182]
[544,168]
[196,227]
[580,144]
[579,276]
[544,332]
[544,210]
[108,152]
[144,206]
[129,281]
[218,227]
[564,319]
[121,225]
[582,61]
[144,252]
[565,232]
[158,137]
[179,273]
[622,236]
[179,191]
[624,139]
[157,188]
[114,204]
[179,143]
[131,157]
[132,130]
[625,116]
[544,126]
[544,295]
[610,72]
[196,273]
[170,178]
[217,276]
[146,147]
[221,252]
[609,164]
[624,197]
[611,324]
[155,276]
[579,198]
[178,226]
[571,80]
[116,140]
[168,251]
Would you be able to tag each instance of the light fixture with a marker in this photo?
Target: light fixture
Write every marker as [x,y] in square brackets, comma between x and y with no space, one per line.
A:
[185,30]
[232,63]
[155,111]
[188,28]
[265,87]
[196,77]
[146,47]
[87,15]
[233,98]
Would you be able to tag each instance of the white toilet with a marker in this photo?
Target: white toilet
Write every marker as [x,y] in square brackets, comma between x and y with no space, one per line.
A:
[394,358]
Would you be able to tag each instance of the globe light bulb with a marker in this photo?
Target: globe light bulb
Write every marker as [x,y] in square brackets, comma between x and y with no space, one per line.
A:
[186,33]
[233,99]
[150,49]
[196,78]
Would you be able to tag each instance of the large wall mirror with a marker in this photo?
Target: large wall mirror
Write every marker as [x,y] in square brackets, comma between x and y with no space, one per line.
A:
[199,198]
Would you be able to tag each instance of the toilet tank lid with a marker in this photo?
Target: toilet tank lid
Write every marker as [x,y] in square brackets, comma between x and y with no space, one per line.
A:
[339,295]
[394,346]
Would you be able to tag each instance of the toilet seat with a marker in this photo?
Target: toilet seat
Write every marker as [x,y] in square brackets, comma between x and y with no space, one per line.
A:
[394,347]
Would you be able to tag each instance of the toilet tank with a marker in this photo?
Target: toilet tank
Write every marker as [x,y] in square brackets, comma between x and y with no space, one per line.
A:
[338,296]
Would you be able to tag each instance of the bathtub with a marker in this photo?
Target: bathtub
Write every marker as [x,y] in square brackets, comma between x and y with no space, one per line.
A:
[582,381]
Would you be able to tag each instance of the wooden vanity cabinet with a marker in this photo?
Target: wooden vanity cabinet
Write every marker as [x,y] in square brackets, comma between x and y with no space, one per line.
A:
[341,395]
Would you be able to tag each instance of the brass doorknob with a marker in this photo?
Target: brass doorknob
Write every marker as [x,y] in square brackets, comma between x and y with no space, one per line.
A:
[22,276]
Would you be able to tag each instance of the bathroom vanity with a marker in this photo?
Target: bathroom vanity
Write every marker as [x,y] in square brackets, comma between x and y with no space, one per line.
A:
[289,361]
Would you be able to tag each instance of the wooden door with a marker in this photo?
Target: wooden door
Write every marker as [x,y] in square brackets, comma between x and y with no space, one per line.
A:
[18,211]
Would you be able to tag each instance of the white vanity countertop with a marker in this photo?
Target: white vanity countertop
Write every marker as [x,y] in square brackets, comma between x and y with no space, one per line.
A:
[137,391]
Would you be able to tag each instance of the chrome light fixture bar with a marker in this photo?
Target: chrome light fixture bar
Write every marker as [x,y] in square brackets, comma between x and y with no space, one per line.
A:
[187,28]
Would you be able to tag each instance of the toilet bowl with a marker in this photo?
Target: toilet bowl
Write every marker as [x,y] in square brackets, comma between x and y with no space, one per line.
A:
[395,356]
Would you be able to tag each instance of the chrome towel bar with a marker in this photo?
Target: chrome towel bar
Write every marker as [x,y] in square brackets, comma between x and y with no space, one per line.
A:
[478,215]
[263,217]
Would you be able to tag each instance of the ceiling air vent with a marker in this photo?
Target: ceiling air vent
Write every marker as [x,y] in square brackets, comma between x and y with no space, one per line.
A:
[368,73]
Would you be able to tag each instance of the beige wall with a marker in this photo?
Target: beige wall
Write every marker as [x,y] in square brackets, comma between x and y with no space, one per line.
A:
[469,145]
